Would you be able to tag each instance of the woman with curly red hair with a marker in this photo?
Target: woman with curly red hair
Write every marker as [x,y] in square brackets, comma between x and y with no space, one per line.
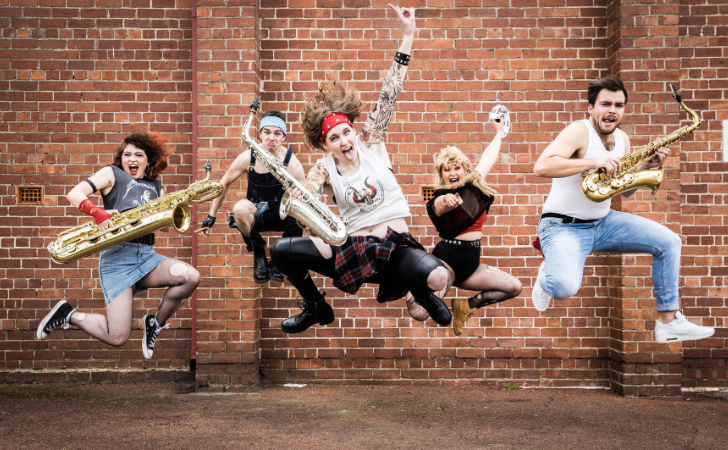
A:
[130,267]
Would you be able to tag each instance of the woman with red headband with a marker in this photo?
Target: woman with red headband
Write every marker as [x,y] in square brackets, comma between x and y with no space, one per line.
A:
[124,269]
[360,179]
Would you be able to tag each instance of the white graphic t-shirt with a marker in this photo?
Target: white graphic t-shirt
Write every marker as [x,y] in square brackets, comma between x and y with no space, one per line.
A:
[370,196]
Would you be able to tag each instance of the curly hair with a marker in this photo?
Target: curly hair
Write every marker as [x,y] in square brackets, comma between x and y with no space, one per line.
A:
[337,99]
[450,156]
[153,145]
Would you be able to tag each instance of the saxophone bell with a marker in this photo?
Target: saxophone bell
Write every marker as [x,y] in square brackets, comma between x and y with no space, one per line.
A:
[329,232]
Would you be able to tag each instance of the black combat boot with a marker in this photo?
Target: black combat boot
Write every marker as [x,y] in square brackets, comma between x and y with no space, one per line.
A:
[260,266]
[274,272]
[438,310]
[314,312]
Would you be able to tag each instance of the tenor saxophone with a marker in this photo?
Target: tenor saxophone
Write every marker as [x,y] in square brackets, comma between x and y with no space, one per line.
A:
[310,212]
[597,186]
[170,210]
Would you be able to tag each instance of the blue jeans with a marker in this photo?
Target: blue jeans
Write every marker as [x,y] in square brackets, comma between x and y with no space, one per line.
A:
[566,247]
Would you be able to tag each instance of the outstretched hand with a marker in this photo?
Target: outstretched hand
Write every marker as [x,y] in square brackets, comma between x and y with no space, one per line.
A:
[406,19]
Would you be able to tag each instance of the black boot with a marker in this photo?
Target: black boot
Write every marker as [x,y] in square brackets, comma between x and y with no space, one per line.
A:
[316,312]
[260,266]
[439,312]
[274,272]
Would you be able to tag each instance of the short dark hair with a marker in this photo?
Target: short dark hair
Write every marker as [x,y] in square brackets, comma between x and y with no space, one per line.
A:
[610,83]
[274,112]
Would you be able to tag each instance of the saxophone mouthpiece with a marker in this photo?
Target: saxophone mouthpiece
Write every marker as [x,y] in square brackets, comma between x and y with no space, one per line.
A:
[208,166]
[254,106]
[676,93]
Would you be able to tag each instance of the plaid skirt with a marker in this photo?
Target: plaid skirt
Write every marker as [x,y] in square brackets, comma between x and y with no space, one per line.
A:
[362,257]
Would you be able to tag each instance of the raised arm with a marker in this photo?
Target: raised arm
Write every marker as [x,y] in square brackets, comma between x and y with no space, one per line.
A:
[378,121]
[490,154]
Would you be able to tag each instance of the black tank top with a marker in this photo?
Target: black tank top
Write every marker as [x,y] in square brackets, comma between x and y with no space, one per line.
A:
[264,187]
[129,193]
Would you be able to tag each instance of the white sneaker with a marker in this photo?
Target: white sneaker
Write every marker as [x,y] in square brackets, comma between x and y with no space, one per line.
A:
[539,297]
[681,329]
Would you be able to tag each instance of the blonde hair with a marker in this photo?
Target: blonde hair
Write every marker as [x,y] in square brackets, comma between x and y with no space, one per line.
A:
[452,156]
[338,99]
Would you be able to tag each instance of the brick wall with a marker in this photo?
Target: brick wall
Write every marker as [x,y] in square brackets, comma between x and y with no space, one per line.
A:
[703,42]
[469,55]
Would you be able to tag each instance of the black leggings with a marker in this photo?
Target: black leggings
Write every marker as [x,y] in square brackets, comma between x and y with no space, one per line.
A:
[407,267]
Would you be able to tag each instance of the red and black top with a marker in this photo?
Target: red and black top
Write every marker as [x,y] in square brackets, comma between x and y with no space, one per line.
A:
[474,209]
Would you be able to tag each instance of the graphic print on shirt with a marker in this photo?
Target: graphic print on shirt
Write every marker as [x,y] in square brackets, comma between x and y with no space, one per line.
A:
[364,194]
[146,196]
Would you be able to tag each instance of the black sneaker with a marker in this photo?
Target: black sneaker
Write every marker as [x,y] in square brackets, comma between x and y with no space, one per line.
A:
[58,318]
[151,332]
[274,272]
[438,310]
[313,312]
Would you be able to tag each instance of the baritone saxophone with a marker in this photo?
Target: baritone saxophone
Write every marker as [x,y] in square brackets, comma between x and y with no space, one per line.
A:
[597,186]
[168,211]
[310,212]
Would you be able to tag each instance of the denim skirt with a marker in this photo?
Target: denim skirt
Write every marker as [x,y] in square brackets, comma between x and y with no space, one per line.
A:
[121,266]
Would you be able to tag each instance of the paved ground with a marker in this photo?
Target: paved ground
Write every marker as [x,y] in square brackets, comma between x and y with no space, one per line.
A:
[352,417]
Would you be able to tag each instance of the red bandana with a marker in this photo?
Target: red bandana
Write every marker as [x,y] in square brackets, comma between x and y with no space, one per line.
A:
[331,121]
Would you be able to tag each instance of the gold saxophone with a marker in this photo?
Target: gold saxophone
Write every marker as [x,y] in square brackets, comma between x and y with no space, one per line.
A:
[597,186]
[170,210]
[310,212]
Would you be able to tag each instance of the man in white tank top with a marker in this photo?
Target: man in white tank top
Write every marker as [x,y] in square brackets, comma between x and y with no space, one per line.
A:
[573,226]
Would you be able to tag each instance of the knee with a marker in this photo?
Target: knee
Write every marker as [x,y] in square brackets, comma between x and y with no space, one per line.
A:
[437,279]
[432,269]
[193,276]
[673,244]
[515,288]
[562,290]
[242,209]
[118,341]
[279,250]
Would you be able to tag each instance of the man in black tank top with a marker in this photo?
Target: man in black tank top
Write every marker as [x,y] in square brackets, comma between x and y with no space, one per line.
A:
[258,212]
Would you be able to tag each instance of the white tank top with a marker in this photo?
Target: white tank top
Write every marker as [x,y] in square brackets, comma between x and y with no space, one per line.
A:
[371,195]
[566,196]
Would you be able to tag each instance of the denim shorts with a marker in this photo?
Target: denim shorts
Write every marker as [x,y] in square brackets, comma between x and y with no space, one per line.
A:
[121,266]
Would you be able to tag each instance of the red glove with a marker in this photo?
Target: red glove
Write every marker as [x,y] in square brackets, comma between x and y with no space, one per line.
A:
[89,208]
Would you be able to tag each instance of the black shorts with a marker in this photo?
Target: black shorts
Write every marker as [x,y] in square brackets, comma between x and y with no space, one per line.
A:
[463,259]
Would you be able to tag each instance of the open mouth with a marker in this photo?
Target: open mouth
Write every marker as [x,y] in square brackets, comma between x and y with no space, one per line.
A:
[349,153]
[609,120]
[454,180]
[133,169]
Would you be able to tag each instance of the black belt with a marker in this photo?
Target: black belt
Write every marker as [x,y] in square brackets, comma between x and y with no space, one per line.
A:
[567,219]
[462,243]
[147,239]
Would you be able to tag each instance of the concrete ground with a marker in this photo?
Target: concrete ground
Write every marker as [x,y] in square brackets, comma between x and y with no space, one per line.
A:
[352,417]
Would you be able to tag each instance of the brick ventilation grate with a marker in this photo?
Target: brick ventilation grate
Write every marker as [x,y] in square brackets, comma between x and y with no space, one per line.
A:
[426,192]
[29,195]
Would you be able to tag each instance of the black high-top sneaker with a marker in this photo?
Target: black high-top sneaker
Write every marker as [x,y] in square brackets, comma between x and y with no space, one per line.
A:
[314,312]
[274,272]
[58,318]
[438,310]
[151,332]
[260,266]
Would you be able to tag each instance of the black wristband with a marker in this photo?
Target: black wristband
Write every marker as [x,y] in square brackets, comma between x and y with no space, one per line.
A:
[93,186]
[402,58]
[208,222]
